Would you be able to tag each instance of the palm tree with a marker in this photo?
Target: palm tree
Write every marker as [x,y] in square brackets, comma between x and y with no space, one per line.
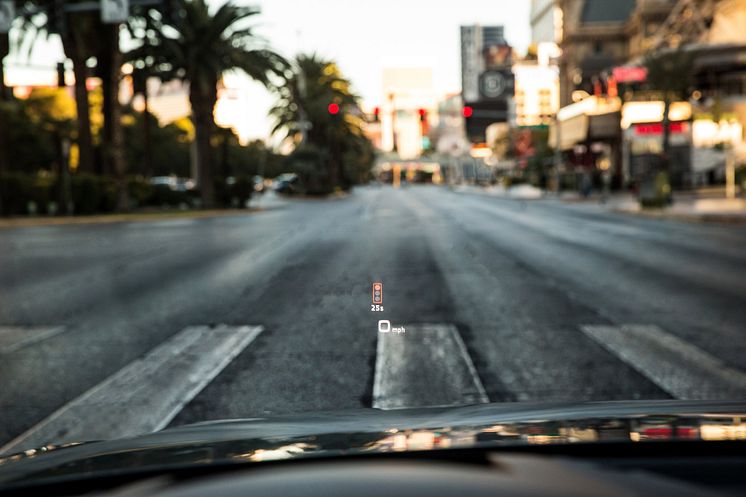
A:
[4,97]
[304,100]
[109,61]
[198,46]
[78,33]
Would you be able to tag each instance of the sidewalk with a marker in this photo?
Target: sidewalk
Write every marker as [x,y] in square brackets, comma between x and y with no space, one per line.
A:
[518,192]
[687,206]
[703,206]
[26,221]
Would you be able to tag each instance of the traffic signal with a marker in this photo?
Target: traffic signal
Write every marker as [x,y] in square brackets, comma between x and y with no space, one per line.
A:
[376,114]
[479,115]
[424,126]
[333,108]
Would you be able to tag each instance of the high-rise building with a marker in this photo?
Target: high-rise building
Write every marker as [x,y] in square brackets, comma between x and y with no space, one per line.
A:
[486,78]
[536,92]
[406,90]
[594,38]
[546,21]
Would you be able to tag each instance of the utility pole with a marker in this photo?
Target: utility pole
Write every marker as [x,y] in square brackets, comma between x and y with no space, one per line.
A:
[730,174]
[393,123]
[63,145]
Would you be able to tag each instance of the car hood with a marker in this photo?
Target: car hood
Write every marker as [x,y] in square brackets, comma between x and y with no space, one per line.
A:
[372,430]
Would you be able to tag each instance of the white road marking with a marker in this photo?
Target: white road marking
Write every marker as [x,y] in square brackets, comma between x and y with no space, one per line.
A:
[428,365]
[148,393]
[679,368]
[13,338]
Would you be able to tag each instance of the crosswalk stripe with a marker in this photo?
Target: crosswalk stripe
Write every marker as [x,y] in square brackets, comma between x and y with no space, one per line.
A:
[13,338]
[427,365]
[679,368]
[146,394]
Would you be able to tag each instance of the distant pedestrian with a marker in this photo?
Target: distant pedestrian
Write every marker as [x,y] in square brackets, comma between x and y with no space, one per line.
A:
[586,186]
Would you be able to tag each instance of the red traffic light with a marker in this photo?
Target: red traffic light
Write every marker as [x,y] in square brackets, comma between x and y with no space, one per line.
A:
[377,114]
[423,114]
[467,111]
[333,109]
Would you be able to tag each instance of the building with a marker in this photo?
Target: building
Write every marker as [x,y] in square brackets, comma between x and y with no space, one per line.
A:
[536,91]
[407,91]
[604,49]
[486,78]
[594,38]
[546,21]
[644,26]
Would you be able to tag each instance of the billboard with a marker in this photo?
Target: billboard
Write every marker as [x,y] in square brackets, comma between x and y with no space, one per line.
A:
[470,64]
[487,81]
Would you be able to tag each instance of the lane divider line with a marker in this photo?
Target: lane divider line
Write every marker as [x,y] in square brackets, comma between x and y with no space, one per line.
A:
[13,338]
[426,366]
[681,369]
[145,395]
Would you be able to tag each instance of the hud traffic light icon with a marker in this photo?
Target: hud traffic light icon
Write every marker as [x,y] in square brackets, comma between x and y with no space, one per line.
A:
[377,293]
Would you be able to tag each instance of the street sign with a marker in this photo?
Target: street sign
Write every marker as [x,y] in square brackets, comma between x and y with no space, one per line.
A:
[7,14]
[496,84]
[114,11]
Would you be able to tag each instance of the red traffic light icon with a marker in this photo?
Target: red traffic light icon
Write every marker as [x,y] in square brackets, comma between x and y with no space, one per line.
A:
[377,293]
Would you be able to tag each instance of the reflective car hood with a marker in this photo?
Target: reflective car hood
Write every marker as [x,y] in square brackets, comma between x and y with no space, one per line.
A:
[372,430]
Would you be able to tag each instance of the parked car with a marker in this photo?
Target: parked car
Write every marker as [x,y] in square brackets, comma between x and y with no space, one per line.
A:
[173,183]
[286,183]
[258,184]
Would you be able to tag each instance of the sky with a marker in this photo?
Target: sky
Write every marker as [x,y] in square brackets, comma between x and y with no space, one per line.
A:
[364,37]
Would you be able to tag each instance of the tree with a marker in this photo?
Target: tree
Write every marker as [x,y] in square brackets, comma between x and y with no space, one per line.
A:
[304,100]
[168,146]
[670,74]
[197,45]
[78,35]
[109,65]
[4,100]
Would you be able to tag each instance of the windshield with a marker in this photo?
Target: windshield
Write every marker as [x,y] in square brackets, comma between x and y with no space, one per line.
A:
[217,210]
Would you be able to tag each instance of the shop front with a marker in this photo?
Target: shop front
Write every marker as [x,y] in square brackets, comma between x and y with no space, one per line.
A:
[588,134]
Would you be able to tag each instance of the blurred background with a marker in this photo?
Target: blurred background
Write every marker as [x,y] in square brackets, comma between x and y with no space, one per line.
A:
[572,98]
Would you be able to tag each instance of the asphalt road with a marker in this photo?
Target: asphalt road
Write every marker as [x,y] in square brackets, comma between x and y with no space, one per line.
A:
[499,300]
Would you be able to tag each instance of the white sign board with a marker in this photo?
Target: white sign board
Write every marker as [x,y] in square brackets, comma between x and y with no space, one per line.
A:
[114,11]
[7,14]
[471,41]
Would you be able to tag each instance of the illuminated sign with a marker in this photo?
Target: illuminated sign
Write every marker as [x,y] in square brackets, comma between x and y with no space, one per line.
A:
[630,74]
[657,128]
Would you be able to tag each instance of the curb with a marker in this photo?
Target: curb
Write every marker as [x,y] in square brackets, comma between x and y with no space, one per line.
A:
[694,218]
[31,222]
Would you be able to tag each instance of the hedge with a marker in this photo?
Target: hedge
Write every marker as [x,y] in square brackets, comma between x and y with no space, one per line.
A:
[22,194]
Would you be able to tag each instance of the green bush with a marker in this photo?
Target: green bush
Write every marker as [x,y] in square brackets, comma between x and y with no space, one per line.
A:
[93,194]
[163,195]
[741,178]
[655,191]
[17,190]
[139,192]
[236,193]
